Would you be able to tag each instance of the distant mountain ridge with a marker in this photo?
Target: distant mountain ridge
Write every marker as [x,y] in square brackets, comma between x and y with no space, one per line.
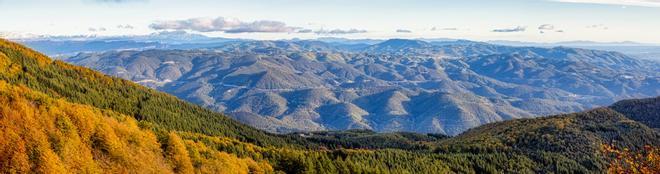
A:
[396,85]
[64,46]
[639,50]
[71,45]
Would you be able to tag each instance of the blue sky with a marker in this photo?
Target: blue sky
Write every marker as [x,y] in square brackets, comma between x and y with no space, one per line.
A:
[521,20]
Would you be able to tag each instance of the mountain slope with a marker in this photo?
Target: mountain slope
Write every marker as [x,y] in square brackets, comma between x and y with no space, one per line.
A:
[641,110]
[576,137]
[22,66]
[41,134]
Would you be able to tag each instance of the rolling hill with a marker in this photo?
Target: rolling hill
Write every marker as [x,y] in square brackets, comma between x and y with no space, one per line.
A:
[397,85]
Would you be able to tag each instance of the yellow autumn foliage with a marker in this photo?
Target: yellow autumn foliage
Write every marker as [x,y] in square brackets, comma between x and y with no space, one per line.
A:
[178,154]
[643,161]
[39,134]
[8,68]
[208,160]
[47,135]
[38,58]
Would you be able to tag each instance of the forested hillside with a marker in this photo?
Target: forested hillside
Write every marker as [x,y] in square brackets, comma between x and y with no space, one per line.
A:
[45,135]
[21,66]
[642,110]
[571,139]
[60,118]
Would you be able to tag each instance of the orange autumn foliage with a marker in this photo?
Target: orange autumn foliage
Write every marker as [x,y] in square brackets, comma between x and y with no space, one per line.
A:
[178,155]
[8,68]
[209,160]
[39,134]
[45,135]
[646,161]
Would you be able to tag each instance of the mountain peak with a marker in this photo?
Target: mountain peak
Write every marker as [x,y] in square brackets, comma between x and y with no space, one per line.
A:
[395,45]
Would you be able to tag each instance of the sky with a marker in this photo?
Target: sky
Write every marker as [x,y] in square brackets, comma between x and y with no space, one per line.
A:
[482,20]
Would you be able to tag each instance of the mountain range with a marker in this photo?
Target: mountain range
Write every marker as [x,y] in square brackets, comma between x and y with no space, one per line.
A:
[634,49]
[60,118]
[443,87]
[64,46]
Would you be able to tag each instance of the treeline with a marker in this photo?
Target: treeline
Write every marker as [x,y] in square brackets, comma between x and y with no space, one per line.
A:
[370,160]
[368,139]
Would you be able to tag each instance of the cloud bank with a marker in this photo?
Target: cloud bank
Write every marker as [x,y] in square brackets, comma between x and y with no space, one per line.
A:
[221,24]
[510,30]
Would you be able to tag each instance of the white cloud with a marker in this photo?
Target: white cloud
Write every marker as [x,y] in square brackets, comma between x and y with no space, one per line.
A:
[445,29]
[547,27]
[331,32]
[92,29]
[222,24]
[305,31]
[403,31]
[598,26]
[125,26]
[642,3]
[339,31]
[510,30]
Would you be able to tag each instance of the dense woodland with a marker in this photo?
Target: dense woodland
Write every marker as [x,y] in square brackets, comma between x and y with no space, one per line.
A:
[641,110]
[60,118]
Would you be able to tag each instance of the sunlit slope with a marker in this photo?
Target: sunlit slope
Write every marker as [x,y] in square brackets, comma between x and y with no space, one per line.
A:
[45,135]
[22,66]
